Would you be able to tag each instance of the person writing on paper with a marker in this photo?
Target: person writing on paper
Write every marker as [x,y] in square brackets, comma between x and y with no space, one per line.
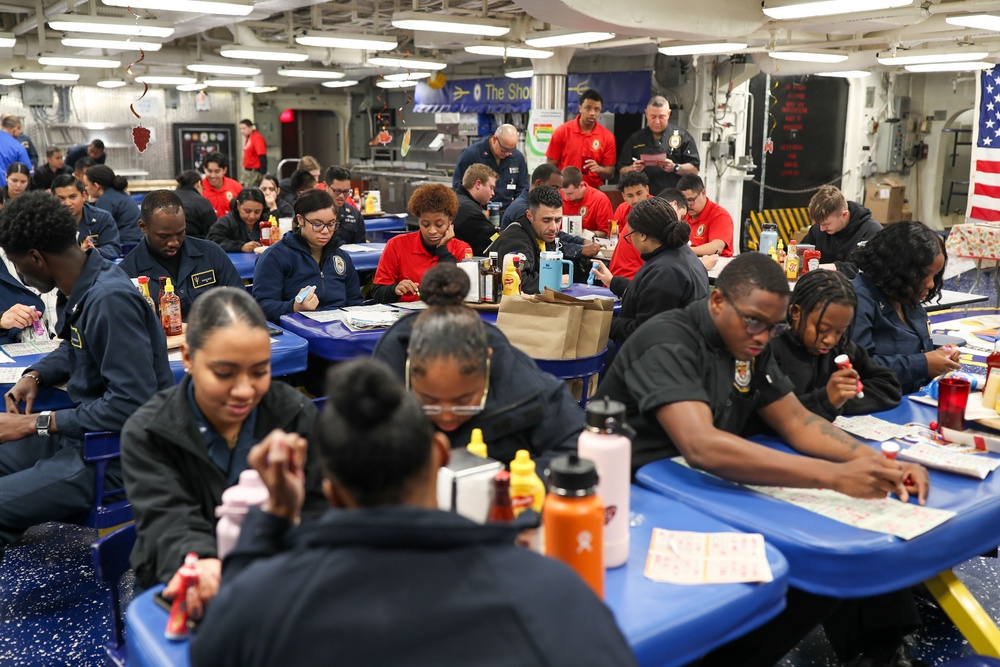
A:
[838,227]
[711,225]
[691,378]
[408,256]
[309,256]
[383,552]
[350,222]
[194,266]
[529,235]
[671,275]
[468,375]
[900,270]
[239,230]
[95,228]
[498,152]
[472,223]
[592,205]
[188,444]
[112,359]
[662,151]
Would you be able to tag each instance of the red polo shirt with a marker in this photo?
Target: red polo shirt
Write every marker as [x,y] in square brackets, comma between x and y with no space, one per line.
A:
[406,258]
[594,208]
[253,147]
[570,146]
[714,223]
[220,198]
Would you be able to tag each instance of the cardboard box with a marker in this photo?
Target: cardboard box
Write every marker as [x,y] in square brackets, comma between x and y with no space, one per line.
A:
[907,213]
[884,198]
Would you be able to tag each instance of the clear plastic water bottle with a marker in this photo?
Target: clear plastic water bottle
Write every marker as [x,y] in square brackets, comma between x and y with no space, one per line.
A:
[768,237]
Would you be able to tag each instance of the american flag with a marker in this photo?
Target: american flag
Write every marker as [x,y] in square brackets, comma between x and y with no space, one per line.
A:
[984,202]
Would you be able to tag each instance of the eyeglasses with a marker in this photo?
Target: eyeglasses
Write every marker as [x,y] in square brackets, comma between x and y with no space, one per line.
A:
[504,150]
[755,326]
[342,193]
[457,410]
[628,238]
[320,226]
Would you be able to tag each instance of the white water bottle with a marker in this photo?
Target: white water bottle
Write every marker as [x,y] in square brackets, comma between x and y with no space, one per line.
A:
[605,442]
[236,501]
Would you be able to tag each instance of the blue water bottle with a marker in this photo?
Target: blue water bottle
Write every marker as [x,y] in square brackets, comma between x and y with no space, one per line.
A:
[768,237]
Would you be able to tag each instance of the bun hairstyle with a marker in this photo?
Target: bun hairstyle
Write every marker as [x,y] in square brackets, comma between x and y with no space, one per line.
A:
[656,218]
[447,329]
[105,176]
[373,437]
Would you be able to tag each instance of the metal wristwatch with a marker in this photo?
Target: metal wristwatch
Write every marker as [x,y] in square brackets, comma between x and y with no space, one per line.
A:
[42,422]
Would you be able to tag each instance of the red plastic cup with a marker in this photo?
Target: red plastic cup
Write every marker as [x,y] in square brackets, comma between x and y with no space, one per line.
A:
[953,395]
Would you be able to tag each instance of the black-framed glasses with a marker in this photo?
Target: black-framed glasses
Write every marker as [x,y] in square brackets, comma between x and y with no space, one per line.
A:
[755,326]
[504,150]
[457,410]
[342,193]
[320,226]
[628,238]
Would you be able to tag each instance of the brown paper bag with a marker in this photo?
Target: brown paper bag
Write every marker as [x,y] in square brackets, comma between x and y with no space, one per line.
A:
[541,329]
[595,325]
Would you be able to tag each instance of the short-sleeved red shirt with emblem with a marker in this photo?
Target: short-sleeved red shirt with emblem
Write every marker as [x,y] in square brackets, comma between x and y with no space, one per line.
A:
[570,146]
[594,208]
[713,224]
[220,198]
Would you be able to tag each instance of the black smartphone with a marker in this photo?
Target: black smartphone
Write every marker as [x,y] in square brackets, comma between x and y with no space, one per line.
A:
[274,331]
[166,604]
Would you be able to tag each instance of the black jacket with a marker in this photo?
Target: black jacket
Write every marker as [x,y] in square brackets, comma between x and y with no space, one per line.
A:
[230,233]
[175,487]
[810,373]
[472,224]
[43,176]
[400,585]
[668,278]
[520,237]
[526,408]
[837,248]
[198,212]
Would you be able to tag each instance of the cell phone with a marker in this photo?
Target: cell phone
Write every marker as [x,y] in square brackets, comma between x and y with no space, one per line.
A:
[274,331]
[166,604]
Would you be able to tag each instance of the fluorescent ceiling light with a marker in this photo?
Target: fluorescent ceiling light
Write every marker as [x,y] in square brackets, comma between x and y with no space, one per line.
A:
[337,40]
[407,62]
[10,82]
[519,73]
[501,51]
[7,40]
[212,68]
[395,84]
[552,38]
[190,87]
[407,76]
[461,25]
[111,44]
[809,56]
[846,74]
[262,89]
[305,73]
[230,83]
[263,53]
[701,49]
[949,67]
[77,61]
[339,84]
[980,21]
[166,80]
[110,26]
[220,7]
[792,9]
[111,83]
[923,56]
[39,75]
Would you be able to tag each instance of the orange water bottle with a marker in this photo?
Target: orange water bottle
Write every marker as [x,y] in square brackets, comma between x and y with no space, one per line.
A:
[573,519]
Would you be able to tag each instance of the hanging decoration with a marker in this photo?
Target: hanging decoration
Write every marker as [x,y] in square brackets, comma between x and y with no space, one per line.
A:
[405,147]
[772,121]
[140,134]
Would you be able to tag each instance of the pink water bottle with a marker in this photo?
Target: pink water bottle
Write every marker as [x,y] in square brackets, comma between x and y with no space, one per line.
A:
[605,441]
[236,501]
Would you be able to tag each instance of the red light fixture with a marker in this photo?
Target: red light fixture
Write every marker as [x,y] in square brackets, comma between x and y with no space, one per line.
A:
[287,116]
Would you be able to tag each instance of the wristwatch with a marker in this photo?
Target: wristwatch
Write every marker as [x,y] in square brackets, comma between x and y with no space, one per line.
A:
[42,422]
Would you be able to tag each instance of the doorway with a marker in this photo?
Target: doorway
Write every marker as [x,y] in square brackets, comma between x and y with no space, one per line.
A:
[310,132]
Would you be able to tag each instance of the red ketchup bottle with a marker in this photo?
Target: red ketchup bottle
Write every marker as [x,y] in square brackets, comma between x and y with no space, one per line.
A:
[177,624]
[265,232]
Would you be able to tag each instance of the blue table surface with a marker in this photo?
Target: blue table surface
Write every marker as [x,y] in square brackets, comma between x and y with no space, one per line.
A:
[335,342]
[832,558]
[363,260]
[289,354]
[386,224]
[666,624]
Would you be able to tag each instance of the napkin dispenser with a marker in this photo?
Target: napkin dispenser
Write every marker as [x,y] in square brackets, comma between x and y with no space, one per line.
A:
[464,486]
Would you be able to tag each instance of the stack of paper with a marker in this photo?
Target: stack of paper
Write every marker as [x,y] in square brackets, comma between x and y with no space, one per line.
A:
[939,458]
[683,557]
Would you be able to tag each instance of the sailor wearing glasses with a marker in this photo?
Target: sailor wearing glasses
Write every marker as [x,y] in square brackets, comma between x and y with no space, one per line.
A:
[350,222]
[499,153]
[306,270]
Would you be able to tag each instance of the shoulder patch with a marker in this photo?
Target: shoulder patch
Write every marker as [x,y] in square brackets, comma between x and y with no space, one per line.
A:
[743,375]
[339,265]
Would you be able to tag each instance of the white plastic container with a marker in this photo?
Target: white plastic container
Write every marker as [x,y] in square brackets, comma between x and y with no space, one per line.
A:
[604,442]
[236,502]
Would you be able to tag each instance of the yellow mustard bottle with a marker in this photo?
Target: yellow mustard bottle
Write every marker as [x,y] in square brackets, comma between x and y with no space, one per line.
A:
[476,445]
[511,281]
[526,488]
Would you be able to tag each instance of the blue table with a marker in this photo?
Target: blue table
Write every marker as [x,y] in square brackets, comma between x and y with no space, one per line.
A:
[665,624]
[363,260]
[831,558]
[289,354]
[377,225]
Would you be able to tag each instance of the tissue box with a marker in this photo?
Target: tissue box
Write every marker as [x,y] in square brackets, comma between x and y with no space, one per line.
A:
[465,485]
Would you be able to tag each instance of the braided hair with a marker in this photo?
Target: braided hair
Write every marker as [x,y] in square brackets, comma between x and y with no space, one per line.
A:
[818,289]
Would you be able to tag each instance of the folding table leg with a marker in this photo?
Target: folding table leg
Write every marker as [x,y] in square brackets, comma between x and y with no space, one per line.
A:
[979,274]
[966,613]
